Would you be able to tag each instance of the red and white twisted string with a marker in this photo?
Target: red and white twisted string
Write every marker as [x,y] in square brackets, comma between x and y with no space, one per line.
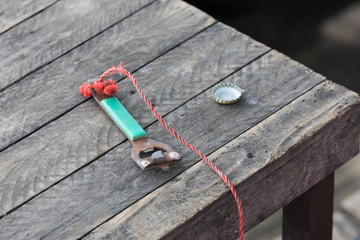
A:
[123,72]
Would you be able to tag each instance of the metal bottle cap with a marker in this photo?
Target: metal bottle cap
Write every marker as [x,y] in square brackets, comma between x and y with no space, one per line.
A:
[226,93]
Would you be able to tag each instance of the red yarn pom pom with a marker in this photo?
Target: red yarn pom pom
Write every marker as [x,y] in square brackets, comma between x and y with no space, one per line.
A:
[99,86]
[85,89]
[111,82]
[111,89]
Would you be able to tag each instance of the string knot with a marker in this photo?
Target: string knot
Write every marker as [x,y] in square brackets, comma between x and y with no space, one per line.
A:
[108,87]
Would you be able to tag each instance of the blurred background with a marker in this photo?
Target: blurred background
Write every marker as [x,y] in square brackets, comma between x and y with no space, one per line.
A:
[324,36]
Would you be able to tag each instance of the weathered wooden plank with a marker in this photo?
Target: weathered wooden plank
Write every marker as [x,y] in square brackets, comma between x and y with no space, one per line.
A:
[103,188]
[310,216]
[345,227]
[64,145]
[14,12]
[351,205]
[55,31]
[52,90]
[271,164]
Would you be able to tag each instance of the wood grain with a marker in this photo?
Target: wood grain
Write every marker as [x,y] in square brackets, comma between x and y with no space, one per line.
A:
[271,164]
[14,12]
[105,187]
[53,90]
[55,31]
[64,145]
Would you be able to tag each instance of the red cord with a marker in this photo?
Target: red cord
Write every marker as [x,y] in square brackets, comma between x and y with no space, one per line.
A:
[120,70]
[109,87]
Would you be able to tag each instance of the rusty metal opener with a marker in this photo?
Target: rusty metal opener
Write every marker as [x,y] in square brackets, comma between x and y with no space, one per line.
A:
[146,152]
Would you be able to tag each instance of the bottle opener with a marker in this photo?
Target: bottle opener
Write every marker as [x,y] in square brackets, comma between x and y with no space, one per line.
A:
[146,152]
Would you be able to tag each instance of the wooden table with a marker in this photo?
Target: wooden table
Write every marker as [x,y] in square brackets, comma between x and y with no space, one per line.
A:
[66,171]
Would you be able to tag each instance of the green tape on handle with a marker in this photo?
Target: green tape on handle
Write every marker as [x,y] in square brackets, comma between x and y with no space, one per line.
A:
[123,119]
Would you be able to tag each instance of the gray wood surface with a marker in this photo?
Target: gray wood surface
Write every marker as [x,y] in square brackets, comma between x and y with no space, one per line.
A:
[66,144]
[43,38]
[113,182]
[53,90]
[16,11]
[66,170]
[197,205]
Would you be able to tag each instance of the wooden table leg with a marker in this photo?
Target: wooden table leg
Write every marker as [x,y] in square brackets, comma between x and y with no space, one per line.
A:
[310,215]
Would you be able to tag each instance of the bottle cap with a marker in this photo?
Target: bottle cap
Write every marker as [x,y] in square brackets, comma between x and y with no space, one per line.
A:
[226,93]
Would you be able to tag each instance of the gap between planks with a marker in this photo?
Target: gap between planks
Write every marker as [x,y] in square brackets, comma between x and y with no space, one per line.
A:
[25,18]
[31,129]
[119,81]
[49,61]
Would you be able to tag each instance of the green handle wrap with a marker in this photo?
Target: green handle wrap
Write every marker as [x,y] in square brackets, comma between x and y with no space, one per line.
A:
[123,119]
